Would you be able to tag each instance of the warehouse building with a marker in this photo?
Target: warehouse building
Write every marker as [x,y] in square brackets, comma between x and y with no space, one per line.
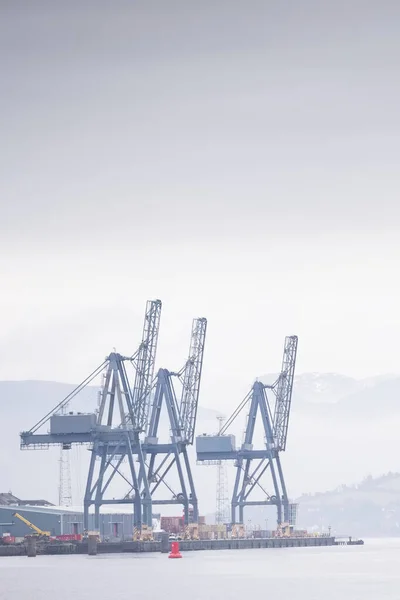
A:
[114,526]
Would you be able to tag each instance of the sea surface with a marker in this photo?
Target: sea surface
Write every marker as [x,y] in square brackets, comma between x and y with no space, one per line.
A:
[369,572]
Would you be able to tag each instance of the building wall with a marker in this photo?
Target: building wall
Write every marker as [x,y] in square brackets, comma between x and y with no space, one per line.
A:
[112,525]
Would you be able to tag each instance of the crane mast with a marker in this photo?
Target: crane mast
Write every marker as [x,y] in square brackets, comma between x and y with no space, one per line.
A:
[283,389]
[190,376]
[144,361]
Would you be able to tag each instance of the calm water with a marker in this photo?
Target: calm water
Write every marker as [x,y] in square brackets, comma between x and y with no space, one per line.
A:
[371,572]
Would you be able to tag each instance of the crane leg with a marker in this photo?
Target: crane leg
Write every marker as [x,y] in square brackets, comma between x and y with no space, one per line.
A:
[89,482]
[193,497]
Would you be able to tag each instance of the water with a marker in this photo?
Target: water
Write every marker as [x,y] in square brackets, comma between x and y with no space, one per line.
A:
[369,572]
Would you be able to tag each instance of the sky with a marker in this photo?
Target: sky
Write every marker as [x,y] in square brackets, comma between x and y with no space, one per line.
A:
[238,160]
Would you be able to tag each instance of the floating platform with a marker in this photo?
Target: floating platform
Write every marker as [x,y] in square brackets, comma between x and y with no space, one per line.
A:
[348,542]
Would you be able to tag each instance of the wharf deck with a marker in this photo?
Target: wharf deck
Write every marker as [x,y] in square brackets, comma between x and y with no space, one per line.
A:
[185,546]
[196,545]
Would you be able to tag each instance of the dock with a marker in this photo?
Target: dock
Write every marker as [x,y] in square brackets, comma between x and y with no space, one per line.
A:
[184,545]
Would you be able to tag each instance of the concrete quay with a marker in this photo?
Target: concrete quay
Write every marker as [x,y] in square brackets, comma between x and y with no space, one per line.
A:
[184,545]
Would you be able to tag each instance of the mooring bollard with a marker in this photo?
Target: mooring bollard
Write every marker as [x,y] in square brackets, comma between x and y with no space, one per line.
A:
[92,545]
[164,543]
[31,547]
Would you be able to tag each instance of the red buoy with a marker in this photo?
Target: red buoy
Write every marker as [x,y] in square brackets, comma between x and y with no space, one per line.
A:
[175,551]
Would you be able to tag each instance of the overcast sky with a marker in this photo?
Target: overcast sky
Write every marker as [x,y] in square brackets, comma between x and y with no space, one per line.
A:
[238,160]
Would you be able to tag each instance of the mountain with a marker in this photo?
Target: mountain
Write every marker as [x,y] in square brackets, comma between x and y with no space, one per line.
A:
[339,396]
[370,508]
[332,387]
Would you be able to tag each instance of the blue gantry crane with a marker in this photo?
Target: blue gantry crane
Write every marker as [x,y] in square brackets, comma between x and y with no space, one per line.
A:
[254,465]
[121,432]
[113,432]
[182,421]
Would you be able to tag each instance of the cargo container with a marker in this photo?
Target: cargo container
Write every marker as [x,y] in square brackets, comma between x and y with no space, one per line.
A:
[172,524]
[212,532]
[73,537]
[299,533]
[8,539]
[262,533]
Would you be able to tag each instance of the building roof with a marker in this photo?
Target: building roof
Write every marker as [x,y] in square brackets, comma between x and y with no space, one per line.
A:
[73,510]
[34,503]
[8,499]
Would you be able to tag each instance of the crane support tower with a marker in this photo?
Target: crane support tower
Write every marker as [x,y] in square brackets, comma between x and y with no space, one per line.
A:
[116,440]
[182,422]
[254,465]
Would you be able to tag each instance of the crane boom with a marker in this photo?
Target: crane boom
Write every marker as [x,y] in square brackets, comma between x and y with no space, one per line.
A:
[144,361]
[31,525]
[190,376]
[283,389]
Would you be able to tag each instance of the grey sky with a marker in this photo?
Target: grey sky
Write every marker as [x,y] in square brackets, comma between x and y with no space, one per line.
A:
[238,160]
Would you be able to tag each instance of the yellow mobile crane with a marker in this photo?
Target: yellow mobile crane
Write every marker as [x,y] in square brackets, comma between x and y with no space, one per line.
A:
[38,532]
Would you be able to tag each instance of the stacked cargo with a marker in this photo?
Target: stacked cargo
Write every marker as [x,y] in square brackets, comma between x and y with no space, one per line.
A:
[262,534]
[173,525]
[176,525]
[72,537]
[299,533]
[7,539]
[212,532]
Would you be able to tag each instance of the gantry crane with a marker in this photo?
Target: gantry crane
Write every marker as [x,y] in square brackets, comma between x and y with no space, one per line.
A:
[252,464]
[182,422]
[114,432]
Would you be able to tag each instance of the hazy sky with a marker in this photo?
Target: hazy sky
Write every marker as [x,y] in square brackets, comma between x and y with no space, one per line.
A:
[238,160]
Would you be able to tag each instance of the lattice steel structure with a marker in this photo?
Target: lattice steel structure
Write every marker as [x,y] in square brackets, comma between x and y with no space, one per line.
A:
[283,389]
[65,486]
[190,376]
[144,362]
[221,501]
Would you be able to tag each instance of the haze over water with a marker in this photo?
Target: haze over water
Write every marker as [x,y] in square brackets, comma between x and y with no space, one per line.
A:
[354,573]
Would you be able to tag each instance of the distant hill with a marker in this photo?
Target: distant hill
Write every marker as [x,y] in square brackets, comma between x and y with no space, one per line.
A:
[370,508]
